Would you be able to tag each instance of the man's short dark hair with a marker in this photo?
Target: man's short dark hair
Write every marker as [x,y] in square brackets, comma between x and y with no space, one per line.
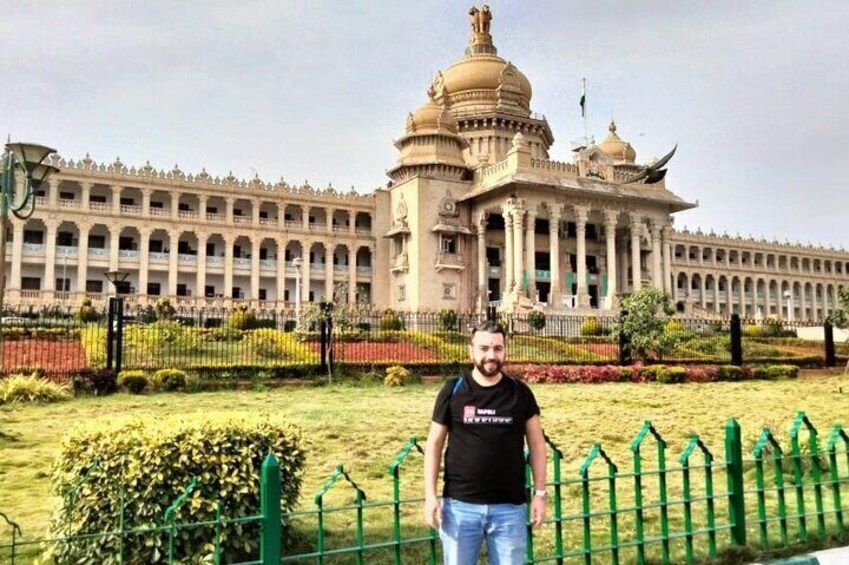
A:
[491,327]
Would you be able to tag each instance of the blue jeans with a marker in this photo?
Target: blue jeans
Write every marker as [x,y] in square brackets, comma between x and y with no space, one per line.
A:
[465,525]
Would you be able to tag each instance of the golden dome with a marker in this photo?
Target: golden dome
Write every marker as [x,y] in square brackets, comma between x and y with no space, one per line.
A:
[431,118]
[485,72]
[618,148]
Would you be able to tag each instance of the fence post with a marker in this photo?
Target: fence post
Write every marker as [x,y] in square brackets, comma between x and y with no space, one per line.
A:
[734,466]
[624,343]
[736,340]
[110,332]
[323,336]
[272,530]
[830,358]
[119,335]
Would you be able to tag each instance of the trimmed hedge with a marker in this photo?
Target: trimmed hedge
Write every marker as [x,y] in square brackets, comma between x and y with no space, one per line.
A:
[152,460]
[554,374]
[134,381]
[170,380]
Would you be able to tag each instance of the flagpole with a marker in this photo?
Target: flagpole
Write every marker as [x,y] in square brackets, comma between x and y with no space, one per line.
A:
[584,109]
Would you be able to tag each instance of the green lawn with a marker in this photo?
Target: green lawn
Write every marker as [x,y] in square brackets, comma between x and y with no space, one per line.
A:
[365,427]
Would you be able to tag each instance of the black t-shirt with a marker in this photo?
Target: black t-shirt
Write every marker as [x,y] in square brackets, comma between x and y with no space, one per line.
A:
[485,462]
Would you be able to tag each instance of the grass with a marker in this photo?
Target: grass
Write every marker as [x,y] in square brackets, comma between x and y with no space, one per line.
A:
[365,427]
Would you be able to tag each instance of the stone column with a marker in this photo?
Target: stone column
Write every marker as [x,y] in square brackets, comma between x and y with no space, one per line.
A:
[636,229]
[229,204]
[229,239]
[255,205]
[116,199]
[483,297]
[53,191]
[352,219]
[202,199]
[305,224]
[144,259]
[85,196]
[352,274]
[530,254]
[622,265]
[146,193]
[703,290]
[742,297]
[611,218]
[328,213]
[518,217]
[114,239]
[175,206]
[716,294]
[507,263]
[657,272]
[328,270]
[729,303]
[50,257]
[305,278]
[82,257]
[666,234]
[255,245]
[281,268]
[554,298]
[173,257]
[581,214]
[17,255]
[200,276]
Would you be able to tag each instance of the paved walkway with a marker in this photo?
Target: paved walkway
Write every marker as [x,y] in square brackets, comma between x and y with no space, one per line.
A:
[836,556]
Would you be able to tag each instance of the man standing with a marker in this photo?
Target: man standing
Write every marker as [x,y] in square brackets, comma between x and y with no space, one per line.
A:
[486,416]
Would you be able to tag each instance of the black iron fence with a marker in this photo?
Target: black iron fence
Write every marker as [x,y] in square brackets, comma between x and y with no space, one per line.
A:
[238,342]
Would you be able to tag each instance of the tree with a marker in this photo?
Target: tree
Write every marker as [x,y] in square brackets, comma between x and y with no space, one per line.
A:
[839,317]
[647,313]
[164,310]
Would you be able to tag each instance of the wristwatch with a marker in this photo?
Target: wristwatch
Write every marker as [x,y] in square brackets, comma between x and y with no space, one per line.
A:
[540,493]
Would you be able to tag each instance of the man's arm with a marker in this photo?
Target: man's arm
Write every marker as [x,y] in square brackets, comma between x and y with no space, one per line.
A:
[432,459]
[536,445]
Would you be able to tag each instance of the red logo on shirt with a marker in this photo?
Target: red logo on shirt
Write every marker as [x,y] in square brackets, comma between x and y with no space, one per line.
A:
[468,412]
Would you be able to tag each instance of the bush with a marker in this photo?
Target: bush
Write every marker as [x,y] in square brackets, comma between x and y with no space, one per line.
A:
[672,375]
[242,319]
[99,382]
[782,372]
[165,311]
[591,327]
[536,320]
[87,313]
[760,373]
[729,373]
[32,388]
[448,320]
[396,376]
[289,326]
[149,461]
[134,381]
[649,373]
[390,321]
[170,380]
[753,330]
[675,326]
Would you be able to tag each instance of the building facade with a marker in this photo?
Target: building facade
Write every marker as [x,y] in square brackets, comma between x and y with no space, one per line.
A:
[475,213]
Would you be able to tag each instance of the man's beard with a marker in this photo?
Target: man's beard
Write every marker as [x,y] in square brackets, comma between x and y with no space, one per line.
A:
[489,368]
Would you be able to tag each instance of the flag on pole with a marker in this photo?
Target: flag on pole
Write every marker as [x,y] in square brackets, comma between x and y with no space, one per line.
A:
[584,98]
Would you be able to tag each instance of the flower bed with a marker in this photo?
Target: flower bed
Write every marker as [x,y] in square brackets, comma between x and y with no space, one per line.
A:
[667,374]
[49,356]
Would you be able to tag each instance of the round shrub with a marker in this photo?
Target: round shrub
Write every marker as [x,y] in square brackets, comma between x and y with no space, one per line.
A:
[396,376]
[729,373]
[134,381]
[448,320]
[753,330]
[170,380]
[671,375]
[536,320]
[242,319]
[592,327]
[390,321]
[87,313]
[782,372]
[150,461]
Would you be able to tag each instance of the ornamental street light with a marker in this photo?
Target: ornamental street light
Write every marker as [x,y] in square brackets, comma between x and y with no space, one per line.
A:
[116,278]
[296,262]
[27,159]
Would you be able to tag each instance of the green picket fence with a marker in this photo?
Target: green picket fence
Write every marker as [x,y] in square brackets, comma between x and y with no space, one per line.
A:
[658,511]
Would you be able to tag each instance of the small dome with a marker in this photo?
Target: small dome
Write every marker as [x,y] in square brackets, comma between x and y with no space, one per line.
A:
[618,148]
[430,118]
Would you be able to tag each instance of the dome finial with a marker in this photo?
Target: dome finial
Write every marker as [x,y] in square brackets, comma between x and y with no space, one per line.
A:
[481,40]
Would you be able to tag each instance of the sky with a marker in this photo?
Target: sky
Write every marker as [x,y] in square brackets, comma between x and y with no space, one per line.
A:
[755,93]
